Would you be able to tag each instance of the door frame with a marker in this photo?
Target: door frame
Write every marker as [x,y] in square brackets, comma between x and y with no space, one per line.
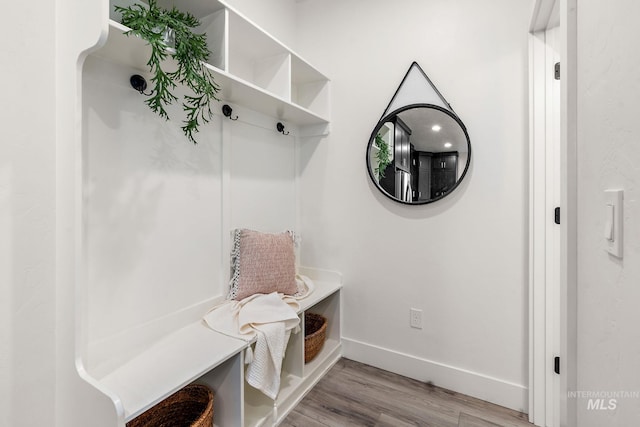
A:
[547,14]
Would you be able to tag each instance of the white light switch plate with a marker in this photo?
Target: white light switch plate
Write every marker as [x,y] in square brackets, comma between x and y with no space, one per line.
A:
[614,198]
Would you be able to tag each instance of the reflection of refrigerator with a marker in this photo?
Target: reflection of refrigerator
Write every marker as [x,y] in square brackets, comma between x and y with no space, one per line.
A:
[403,186]
[402,146]
[402,161]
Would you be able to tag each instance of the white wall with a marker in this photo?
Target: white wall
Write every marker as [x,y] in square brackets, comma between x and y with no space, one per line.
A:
[37,365]
[608,155]
[27,216]
[461,260]
[262,189]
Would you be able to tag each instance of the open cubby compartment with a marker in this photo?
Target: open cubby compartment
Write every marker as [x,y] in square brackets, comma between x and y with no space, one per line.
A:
[215,26]
[125,49]
[297,378]
[258,408]
[309,87]
[226,381]
[258,58]
[134,51]
[329,308]
[261,410]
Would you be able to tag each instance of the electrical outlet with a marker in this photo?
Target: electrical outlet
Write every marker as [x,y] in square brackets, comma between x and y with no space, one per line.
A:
[415,318]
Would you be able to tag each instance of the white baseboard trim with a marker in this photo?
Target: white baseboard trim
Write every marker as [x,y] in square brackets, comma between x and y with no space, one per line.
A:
[494,390]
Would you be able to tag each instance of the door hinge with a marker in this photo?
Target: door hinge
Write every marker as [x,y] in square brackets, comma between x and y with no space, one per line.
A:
[556,71]
[556,215]
[556,365]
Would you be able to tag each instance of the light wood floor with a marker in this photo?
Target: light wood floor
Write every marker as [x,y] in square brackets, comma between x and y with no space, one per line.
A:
[353,394]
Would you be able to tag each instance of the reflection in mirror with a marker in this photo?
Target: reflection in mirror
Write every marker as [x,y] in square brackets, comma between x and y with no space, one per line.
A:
[420,150]
[418,154]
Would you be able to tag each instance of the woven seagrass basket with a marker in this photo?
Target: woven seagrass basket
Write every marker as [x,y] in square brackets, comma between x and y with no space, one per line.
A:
[191,406]
[315,332]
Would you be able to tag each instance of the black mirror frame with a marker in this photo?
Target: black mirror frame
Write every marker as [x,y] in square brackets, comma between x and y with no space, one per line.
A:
[391,115]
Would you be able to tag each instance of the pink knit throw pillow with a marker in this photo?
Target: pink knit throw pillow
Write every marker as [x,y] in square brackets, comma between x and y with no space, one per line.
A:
[262,263]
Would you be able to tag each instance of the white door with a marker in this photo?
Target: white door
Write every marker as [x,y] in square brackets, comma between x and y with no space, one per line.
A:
[553,230]
[545,233]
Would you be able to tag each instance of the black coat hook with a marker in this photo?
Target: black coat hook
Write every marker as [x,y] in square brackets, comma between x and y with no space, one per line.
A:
[139,83]
[227,111]
[280,128]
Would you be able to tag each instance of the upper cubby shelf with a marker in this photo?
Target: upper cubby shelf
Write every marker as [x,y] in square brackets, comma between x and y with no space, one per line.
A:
[253,68]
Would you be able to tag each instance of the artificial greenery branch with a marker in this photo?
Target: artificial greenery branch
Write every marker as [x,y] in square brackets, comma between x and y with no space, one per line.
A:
[383,156]
[190,53]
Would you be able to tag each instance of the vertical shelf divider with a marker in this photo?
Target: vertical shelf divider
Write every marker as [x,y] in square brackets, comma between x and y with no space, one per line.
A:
[216,28]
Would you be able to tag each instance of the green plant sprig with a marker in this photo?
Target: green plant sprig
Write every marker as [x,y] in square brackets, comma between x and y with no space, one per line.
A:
[190,53]
[383,156]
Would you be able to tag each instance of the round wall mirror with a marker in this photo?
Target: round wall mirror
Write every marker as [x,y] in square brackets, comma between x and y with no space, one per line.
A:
[418,153]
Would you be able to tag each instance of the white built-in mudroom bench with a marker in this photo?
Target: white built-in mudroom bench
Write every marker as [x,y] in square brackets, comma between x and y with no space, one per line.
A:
[156,212]
[195,353]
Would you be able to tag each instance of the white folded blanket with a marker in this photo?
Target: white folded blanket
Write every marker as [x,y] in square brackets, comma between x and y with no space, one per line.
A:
[270,318]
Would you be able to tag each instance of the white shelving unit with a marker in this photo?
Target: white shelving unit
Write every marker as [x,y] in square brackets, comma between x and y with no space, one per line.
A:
[198,354]
[254,69]
[258,72]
